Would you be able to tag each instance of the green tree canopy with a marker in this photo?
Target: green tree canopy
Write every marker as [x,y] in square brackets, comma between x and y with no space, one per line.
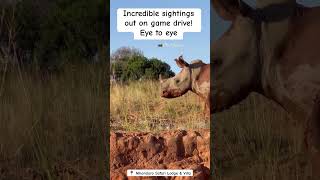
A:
[137,66]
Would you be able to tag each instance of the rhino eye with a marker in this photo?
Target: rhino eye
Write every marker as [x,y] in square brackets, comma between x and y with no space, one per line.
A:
[177,81]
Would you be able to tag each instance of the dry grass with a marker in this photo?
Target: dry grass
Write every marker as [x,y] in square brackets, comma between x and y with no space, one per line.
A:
[138,106]
[253,140]
[53,122]
[256,140]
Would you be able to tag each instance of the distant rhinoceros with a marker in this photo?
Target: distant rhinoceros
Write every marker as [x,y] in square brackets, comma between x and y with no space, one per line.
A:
[193,77]
[273,50]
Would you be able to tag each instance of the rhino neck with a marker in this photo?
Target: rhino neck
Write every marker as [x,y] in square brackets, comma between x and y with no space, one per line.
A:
[273,18]
[200,84]
[273,87]
[274,33]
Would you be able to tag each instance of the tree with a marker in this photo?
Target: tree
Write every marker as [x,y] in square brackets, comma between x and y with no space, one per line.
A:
[130,64]
[136,67]
[118,70]
[125,53]
[156,67]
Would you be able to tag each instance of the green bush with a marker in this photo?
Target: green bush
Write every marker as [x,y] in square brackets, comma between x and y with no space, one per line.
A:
[156,67]
[128,65]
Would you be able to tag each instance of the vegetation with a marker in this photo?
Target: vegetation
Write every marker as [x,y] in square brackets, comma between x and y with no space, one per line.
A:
[252,140]
[53,89]
[129,64]
[138,106]
[256,140]
[53,125]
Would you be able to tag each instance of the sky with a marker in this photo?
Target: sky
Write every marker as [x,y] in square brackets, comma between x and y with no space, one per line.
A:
[195,45]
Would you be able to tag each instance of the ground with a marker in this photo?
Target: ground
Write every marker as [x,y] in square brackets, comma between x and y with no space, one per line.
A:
[176,149]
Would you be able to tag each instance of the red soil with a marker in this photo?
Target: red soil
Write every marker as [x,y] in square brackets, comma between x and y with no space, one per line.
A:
[165,150]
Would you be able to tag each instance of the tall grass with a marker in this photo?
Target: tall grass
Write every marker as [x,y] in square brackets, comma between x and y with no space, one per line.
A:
[137,106]
[52,121]
[256,140]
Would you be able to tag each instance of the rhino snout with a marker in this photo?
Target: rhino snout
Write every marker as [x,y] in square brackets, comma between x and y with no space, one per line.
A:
[164,93]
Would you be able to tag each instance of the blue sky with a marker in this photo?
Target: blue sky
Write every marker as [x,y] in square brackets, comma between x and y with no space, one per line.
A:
[193,46]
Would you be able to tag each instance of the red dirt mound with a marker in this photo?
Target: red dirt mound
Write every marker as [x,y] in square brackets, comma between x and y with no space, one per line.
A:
[165,150]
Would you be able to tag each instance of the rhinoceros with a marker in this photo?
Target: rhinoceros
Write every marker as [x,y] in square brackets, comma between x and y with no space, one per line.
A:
[273,50]
[193,77]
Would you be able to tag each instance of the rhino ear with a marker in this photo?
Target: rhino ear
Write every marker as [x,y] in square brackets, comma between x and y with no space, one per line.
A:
[230,9]
[160,78]
[181,62]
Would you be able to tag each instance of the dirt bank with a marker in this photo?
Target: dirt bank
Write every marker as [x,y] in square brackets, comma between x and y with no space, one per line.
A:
[165,150]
